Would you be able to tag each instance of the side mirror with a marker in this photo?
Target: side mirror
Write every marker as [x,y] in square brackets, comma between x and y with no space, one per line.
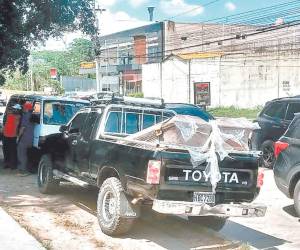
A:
[35,118]
[74,131]
[63,128]
[1,113]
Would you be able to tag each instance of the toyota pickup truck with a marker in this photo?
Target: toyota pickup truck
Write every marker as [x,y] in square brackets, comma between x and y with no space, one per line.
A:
[94,149]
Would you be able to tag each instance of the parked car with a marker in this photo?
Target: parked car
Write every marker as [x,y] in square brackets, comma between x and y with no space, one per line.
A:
[3,98]
[287,164]
[189,109]
[274,119]
[49,113]
[89,152]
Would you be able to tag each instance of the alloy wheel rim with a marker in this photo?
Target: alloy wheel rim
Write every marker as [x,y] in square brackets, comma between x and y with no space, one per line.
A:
[268,154]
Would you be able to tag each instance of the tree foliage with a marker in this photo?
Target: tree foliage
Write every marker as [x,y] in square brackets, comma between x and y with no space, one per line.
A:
[66,62]
[25,23]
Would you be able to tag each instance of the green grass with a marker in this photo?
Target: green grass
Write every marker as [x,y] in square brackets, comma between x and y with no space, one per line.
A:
[235,112]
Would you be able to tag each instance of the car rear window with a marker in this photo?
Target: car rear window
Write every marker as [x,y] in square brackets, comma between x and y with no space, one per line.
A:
[294,129]
[276,110]
[293,108]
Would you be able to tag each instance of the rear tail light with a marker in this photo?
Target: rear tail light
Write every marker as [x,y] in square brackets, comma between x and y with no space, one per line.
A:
[153,172]
[279,146]
[260,178]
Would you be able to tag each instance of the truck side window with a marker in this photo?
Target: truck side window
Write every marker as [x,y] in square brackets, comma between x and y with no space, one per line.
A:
[148,121]
[132,123]
[78,122]
[113,123]
[89,125]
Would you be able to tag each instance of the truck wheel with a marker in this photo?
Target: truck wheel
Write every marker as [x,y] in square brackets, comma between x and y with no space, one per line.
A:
[214,222]
[268,157]
[46,183]
[297,198]
[109,208]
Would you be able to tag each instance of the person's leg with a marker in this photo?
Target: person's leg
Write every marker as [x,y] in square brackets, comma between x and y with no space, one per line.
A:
[13,154]
[22,156]
[5,151]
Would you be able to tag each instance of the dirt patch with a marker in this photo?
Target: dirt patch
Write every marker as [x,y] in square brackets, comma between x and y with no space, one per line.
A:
[67,220]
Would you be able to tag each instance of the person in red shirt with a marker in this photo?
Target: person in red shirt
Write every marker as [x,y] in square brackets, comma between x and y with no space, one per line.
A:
[10,133]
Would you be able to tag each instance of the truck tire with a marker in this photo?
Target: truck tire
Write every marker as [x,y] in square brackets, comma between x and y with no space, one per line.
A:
[109,208]
[268,158]
[46,183]
[297,198]
[214,222]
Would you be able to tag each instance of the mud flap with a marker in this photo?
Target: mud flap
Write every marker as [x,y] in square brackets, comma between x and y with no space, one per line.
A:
[127,209]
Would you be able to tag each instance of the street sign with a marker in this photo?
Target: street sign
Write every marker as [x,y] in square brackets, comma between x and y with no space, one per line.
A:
[53,73]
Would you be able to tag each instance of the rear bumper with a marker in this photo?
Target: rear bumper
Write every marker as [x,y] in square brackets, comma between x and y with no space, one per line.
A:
[198,209]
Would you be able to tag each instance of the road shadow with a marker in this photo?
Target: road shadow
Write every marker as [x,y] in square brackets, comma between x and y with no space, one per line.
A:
[170,232]
[257,239]
[290,210]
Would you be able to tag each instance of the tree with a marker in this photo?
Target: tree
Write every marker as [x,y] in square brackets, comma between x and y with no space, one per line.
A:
[25,23]
[66,62]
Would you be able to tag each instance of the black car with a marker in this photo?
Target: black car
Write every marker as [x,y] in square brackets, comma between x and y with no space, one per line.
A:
[274,119]
[287,165]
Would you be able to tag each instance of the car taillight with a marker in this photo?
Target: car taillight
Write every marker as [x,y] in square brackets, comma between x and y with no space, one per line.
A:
[279,146]
[260,178]
[153,172]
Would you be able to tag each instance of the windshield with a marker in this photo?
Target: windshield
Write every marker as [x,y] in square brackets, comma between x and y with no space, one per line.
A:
[60,112]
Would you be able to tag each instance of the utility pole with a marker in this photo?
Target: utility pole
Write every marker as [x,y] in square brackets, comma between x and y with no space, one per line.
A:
[96,45]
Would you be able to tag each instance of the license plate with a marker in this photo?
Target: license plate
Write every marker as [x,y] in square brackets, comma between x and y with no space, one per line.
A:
[206,198]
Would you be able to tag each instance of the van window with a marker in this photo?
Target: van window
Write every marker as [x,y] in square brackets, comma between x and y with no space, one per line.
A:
[60,112]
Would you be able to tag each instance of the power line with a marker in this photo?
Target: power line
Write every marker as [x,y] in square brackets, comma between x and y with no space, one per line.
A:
[192,10]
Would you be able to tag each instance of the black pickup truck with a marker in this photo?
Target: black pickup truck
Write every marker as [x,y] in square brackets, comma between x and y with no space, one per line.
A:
[88,152]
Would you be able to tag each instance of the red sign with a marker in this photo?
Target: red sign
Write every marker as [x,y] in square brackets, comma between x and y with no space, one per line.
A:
[53,73]
[202,93]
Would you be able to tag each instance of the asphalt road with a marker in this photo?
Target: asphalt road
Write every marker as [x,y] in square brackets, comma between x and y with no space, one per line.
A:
[279,229]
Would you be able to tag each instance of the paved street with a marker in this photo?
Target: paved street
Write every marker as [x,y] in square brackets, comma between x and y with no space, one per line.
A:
[278,229]
[69,213]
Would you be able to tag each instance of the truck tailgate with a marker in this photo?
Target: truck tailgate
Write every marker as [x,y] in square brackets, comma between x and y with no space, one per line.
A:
[238,177]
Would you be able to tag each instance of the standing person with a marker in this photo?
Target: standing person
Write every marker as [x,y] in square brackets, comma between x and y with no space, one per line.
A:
[25,139]
[10,133]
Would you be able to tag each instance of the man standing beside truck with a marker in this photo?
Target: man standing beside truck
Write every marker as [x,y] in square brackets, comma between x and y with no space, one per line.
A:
[10,132]
[25,139]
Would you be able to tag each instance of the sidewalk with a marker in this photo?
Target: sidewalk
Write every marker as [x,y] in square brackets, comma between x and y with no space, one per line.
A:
[14,237]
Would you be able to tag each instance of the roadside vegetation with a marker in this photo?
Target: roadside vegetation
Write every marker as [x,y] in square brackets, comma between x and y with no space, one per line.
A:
[67,63]
[235,112]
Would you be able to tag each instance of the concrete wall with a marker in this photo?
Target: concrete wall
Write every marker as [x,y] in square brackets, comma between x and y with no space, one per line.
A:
[74,83]
[236,80]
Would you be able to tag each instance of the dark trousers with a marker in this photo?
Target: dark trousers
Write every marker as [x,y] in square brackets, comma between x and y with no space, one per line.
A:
[10,152]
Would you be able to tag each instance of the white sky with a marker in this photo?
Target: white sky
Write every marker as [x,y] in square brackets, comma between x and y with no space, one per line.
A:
[109,23]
